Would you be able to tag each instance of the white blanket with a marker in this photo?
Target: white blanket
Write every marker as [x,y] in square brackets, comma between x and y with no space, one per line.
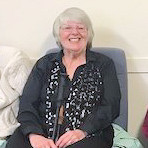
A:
[12,80]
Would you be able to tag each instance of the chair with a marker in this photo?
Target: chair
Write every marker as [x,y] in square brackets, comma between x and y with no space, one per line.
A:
[118,56]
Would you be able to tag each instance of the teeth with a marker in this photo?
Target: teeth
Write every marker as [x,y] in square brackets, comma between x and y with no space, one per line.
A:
[74,40]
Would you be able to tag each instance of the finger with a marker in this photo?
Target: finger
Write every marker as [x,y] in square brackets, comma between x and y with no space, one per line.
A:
[52,144]
[48,146]
[67,144]
[74,141]
[64,142]
[64,136]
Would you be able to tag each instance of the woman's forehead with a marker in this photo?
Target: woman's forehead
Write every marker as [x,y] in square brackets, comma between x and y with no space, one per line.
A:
[73,22]
[72,18]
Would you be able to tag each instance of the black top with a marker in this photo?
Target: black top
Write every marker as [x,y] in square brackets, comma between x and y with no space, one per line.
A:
[91,99]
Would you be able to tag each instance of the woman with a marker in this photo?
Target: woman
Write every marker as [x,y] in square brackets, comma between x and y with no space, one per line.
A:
[91,96]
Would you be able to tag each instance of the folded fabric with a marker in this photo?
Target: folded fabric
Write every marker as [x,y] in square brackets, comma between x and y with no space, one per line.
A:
[3,143]
[14,73]
[123,140]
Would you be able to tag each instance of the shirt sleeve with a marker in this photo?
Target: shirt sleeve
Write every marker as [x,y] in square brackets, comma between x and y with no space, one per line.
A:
[28,115]
[104,114]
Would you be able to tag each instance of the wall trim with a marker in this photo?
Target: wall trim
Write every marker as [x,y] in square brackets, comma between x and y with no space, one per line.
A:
[137,65]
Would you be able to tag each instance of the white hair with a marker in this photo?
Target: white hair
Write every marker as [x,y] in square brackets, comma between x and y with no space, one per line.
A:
[73,14]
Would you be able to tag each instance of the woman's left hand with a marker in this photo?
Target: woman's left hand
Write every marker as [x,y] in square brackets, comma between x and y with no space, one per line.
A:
[70,137]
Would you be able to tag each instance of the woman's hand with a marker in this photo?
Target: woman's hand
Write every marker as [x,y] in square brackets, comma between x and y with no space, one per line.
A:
[70,137]
[38,141]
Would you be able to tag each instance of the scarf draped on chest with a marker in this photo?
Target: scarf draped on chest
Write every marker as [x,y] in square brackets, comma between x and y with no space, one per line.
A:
[85,94]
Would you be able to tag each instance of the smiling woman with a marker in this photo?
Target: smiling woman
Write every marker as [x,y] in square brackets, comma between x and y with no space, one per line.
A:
[73,37]
[77,16]
[90,98]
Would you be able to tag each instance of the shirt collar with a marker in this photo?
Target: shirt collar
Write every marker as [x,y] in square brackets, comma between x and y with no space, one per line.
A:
[58,56]
[90,56]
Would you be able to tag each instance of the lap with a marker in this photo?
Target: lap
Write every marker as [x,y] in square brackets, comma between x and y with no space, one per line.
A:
[103,140]
[18,140]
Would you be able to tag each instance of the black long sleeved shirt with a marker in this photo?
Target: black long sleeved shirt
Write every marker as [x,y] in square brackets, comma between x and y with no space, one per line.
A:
[33,101]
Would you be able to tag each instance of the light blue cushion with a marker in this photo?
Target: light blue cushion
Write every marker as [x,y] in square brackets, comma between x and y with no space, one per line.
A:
[118,56]
[3,143]
[123,139]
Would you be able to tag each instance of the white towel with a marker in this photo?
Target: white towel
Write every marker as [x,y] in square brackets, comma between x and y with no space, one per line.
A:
[14,75]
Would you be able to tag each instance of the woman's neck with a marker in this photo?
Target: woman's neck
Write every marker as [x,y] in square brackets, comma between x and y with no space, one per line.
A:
[72,55]
[74,58]
[72,61]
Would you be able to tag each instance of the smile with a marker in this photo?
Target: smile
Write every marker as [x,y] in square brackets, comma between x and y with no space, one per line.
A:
[74,39]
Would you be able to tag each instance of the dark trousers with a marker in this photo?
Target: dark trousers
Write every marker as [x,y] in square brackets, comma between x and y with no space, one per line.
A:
[103,140]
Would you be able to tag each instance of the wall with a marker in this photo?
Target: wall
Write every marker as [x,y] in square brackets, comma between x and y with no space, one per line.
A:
[27,25]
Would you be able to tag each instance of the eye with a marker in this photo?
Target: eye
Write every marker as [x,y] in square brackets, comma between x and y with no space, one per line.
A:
[81,28]
[67,28]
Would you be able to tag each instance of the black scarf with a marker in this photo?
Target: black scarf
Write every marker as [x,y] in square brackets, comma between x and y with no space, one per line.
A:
[85,94]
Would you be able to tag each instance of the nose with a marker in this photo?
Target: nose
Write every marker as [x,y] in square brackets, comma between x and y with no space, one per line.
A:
[74,30]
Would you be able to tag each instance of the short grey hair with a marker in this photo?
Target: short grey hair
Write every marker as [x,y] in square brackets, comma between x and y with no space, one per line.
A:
[73,14]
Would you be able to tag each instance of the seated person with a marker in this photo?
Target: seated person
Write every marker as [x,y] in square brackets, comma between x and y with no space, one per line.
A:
[91,97]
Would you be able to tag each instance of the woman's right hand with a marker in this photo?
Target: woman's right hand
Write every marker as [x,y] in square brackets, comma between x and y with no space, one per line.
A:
[39,141]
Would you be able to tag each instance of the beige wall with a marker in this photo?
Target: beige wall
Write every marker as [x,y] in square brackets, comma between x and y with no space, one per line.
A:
[138,103]
[27,25]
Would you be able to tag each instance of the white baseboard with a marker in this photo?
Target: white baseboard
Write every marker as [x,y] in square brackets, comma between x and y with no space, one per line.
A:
[137,65]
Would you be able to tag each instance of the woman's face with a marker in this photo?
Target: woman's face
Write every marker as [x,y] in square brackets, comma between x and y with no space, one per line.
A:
[73,36]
